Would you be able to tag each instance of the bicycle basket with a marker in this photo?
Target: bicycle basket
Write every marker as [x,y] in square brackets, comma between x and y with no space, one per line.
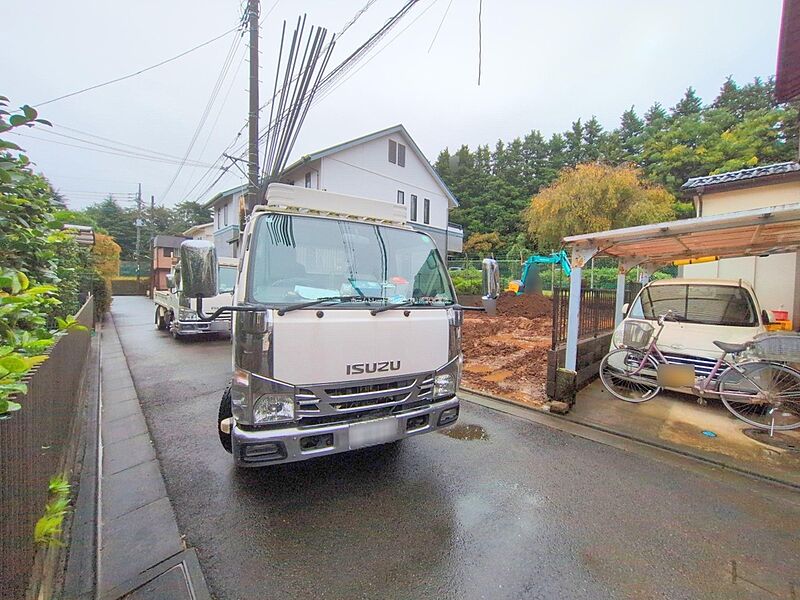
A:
[781,346]
[636,334]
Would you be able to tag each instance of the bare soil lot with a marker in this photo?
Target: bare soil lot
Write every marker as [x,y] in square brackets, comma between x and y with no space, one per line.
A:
[506,355]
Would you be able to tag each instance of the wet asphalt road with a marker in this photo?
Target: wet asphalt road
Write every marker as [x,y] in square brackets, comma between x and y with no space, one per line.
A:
[527,512]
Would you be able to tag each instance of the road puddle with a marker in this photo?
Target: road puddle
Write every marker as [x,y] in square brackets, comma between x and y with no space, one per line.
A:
[466,432]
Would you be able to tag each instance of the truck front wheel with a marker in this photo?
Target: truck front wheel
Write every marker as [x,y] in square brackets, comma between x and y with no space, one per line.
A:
[225,413]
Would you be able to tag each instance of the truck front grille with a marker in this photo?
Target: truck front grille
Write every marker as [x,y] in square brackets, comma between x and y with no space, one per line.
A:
[326,403]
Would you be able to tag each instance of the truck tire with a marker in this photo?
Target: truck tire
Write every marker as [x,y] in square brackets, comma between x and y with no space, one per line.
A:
[225,413]
[173,332]
[161,323]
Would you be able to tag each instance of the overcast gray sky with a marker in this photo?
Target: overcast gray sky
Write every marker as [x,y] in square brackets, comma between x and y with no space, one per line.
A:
[545,63]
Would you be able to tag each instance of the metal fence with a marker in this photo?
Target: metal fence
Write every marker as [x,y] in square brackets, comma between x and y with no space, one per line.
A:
[596,314]
[34,444]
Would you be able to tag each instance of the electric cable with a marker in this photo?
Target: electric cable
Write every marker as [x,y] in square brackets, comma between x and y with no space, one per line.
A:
[139,72]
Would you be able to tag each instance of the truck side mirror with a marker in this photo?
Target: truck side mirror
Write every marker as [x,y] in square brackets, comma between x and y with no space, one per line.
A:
[199,269]
[170,281]
[490,281]
[625,308]
[766,317]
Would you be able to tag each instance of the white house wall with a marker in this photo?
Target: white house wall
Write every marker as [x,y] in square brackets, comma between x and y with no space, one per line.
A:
[365,170]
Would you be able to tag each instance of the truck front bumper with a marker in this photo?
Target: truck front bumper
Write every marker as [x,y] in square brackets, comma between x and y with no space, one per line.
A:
[260,447]
[198,327]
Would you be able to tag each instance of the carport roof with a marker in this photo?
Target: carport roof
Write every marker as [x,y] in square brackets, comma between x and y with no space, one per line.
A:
[747,233]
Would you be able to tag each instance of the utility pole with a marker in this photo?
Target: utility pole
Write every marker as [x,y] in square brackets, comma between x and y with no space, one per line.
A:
[252,122]
[138,234]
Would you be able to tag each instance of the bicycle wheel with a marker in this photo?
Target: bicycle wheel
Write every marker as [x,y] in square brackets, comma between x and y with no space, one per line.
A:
[780,409]
[618,372]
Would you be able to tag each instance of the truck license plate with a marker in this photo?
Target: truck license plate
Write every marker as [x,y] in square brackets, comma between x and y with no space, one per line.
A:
[372,432]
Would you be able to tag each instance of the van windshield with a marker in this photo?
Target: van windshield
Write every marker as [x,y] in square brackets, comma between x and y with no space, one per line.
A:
[298,258]
[698,303]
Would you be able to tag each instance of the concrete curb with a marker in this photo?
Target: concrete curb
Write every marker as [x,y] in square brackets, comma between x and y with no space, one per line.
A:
[139,544]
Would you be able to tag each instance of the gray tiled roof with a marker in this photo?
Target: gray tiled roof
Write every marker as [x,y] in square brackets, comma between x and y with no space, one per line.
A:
[742,175]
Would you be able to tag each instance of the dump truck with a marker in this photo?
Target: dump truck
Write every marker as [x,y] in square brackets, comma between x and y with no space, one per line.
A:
[346,328]
[176,313]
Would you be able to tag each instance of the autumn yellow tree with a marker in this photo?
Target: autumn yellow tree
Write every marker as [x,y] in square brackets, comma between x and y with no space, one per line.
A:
[594,197]
[105,255]
[483,244]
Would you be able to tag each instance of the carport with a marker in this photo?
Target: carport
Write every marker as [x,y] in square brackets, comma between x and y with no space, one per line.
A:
[756,232]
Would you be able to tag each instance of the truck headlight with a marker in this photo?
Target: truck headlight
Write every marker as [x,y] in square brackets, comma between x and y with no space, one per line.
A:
[273,408]
[187,314]
[444,385]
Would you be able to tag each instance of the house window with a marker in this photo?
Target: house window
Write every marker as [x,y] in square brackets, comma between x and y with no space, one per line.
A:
[308,179]
[225,215]
[413,207]
[401,197]
[426,211]
[219,218]
[401,155]
[167,252]
[392,152]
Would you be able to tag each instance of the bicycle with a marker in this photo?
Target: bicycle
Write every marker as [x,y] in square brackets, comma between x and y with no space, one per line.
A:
[763,392]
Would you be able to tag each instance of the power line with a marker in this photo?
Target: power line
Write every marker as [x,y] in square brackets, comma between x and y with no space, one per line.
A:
[117,153]
[92,143]
[328,92]
[206,111]
[139,72]
[438,29]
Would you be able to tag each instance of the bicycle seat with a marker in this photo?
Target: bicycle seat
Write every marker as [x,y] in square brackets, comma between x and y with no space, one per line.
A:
[731,348]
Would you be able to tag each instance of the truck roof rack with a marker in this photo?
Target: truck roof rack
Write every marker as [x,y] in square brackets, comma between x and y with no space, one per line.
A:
[292,198]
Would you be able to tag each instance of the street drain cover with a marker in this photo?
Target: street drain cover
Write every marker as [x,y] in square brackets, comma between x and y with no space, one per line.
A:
[776,440]
[466,432]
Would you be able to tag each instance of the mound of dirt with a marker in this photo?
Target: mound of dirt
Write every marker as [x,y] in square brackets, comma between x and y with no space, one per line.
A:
[529,306]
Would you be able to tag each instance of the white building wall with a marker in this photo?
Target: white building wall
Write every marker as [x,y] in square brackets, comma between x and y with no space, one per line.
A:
[365,170]
[774,277]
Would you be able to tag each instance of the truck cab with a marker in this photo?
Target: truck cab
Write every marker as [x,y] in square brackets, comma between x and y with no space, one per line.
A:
[347,330]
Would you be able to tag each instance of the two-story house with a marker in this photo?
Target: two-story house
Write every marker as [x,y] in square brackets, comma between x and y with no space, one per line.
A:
[386,165]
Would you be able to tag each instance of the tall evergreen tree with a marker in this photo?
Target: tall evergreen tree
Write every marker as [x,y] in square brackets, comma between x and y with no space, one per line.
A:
[574,143]
[690,104]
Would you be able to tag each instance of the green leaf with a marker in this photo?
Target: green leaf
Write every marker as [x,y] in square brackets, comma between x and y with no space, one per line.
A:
[23,280]
[17,120]
[44,122]
[14,363]
[13,388]
[6,406]
[30,112]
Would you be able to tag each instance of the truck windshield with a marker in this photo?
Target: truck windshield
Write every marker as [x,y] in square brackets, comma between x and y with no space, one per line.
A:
[226,279]
[698,303]
[300,258]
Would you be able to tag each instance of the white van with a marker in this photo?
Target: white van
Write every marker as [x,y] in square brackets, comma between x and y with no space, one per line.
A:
[705,310]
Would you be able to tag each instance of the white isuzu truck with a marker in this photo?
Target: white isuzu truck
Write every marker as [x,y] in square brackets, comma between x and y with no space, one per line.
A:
[346,328]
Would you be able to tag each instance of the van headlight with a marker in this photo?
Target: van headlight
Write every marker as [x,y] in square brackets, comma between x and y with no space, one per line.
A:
[273,408]
[616,339]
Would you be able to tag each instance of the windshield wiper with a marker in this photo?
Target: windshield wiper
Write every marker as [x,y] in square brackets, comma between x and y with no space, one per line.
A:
[409,302]
[381,309]
[310,303]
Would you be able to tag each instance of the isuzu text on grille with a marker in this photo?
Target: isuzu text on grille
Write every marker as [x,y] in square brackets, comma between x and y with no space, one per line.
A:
[376,367]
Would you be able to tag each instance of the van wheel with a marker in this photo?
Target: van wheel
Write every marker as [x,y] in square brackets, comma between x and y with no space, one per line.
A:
[225,413]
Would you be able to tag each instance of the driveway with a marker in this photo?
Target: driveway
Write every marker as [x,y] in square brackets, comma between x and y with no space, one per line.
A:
[505,508]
